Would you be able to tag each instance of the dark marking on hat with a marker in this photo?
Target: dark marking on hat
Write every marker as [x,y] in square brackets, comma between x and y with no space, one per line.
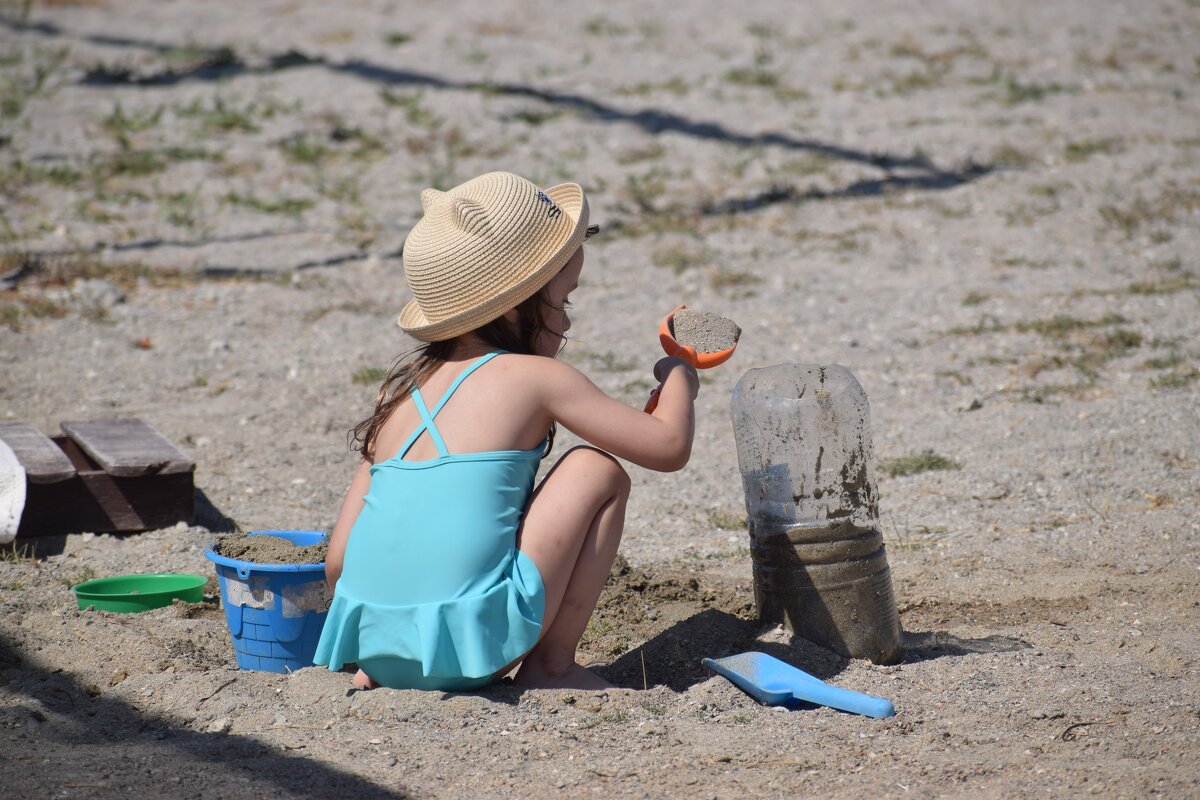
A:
[554,210]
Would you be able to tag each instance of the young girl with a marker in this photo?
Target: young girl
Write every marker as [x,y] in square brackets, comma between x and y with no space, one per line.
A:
[449,569]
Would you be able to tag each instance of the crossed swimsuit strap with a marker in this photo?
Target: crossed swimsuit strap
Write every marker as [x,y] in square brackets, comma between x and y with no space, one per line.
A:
[427,424]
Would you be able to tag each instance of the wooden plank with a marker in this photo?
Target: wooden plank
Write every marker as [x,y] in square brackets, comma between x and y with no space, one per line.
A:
[128,448]
[95,501]
[41,459]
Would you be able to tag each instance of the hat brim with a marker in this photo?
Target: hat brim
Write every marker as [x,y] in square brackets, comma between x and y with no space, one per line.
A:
[573,202]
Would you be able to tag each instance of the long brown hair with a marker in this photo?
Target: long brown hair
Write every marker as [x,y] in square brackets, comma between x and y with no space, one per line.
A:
[414,367]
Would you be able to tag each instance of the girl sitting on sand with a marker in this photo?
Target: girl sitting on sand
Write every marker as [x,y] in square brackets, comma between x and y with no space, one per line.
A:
[449,569]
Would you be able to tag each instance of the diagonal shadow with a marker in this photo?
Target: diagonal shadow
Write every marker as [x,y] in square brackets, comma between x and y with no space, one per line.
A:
[220,63]
[208,516]
[929,645]
[86,733]
[672,658]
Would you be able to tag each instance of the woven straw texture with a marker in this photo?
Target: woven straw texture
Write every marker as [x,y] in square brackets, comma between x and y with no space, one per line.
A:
[483,247]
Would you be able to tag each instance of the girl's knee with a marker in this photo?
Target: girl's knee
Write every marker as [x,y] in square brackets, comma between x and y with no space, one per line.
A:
[602,465]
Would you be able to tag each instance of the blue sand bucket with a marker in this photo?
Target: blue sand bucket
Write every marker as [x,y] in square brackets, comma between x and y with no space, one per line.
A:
[275,612]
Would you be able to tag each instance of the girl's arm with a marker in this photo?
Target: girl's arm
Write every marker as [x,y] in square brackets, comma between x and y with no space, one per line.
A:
[660,441]
[351,505]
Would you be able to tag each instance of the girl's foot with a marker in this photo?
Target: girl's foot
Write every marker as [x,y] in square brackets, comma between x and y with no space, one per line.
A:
[363,681]
[576,677]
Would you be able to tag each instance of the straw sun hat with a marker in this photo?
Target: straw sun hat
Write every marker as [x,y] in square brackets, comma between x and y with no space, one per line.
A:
[485,246]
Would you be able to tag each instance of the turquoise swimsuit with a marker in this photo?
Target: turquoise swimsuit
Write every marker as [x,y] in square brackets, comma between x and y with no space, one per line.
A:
[434,593]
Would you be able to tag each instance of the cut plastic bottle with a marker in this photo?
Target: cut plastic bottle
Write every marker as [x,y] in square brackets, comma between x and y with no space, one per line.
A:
[803,436]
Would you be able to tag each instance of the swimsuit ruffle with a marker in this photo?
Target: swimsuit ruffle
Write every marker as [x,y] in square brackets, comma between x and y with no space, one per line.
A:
[468,637]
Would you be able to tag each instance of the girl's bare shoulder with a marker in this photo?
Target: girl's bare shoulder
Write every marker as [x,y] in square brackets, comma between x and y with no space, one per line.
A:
[537,370]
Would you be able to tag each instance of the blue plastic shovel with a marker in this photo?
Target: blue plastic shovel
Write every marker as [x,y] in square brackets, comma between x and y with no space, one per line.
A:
[775,682]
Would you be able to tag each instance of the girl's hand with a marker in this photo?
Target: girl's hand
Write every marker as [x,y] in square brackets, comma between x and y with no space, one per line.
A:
[664,367]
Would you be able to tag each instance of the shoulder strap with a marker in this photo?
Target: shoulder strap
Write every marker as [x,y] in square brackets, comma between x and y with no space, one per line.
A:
[427,423]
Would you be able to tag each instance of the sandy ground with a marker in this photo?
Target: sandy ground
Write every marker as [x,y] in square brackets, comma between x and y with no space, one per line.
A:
[990,214]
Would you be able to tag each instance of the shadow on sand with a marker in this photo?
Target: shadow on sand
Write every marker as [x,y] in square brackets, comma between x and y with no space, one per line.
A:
[672,658]
[221,63]
[77,736]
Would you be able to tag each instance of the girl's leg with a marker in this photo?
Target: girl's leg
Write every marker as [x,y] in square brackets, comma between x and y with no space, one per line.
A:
[571,531]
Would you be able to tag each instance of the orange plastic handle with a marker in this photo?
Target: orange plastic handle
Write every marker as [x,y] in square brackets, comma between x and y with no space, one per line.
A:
[687,352]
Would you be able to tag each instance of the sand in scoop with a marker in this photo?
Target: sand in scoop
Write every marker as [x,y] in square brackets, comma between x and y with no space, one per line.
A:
[703,331]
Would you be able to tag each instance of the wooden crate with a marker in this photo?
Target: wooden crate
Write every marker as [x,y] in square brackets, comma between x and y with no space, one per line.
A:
[114,475]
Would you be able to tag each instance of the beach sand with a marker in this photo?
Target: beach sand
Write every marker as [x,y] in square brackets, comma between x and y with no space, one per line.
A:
[988,214]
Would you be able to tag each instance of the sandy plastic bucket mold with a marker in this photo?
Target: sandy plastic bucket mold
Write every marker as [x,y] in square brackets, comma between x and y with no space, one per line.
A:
[275,612]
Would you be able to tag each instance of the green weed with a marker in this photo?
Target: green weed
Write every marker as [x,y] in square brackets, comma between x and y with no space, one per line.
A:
[288,206]
[1022,261]
[1088,354]
[807,165]
[19,86]
[1172,284]
[927,461]
[1109,61]
[305,149]
[534,116]
[597,627]
[1086,148]
[369,376]
[680,256]
[1007,155]
[85,573]
[1060,325]
[913,81]
[1164,362]
[415,111]
[1176,379]
[608,361]
[723,278]
[676,86]
[63,270]
[15,553]
[913,538]
[1174,203]
[954,375]
[646,189]
[639,387]
[603,26]
[726,520]
[1013,91]
[760,75]
[365,144]
[397,38]
[218,117]
[119,125]
[181,208]
[632,155]
[357,225]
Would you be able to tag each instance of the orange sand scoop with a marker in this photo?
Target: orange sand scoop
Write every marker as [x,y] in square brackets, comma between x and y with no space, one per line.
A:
[703,340]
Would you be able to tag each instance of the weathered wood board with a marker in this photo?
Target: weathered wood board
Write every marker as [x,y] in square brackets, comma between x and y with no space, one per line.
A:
[128,448]
[104,476]
[42,460]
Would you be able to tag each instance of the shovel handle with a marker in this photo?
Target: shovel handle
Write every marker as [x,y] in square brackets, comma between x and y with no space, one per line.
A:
[652,403]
